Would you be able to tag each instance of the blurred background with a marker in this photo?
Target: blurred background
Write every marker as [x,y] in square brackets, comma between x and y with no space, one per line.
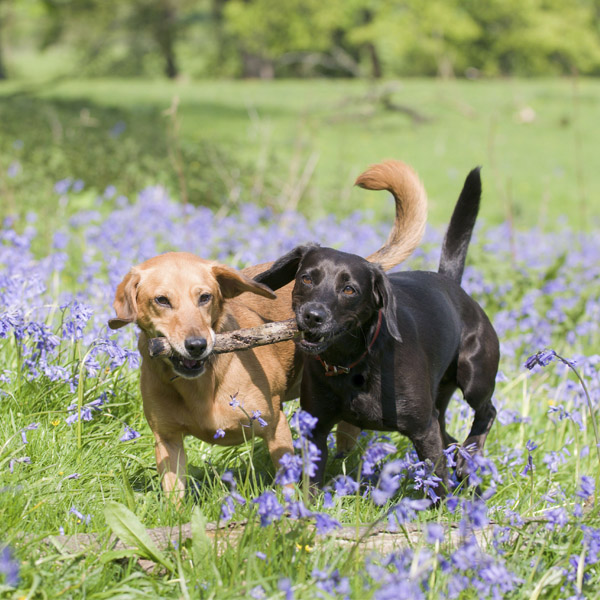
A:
[283,103]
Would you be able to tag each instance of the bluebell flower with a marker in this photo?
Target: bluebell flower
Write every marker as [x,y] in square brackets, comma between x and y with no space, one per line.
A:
[9,567]
[405,511]
[14,461]
[587,486]
[227,508]
[62,187]
[324,523]
[256,417]
[258,593]
[374,454]
[14,169]
[344,486]
[434,532]
[475,515]
[219,433]
[297,510]
[556,518]
[290,470]
[130,434]
[269,508]
[303,422]
[229,479]
[285,585]
[81,518]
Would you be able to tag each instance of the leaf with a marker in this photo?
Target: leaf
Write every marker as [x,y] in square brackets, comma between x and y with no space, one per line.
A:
[111,555]
[131,531]
[201,543]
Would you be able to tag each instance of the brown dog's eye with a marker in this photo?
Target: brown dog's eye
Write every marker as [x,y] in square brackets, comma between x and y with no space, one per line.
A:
[204,299]
[349,290]
[162,301]
[306,279]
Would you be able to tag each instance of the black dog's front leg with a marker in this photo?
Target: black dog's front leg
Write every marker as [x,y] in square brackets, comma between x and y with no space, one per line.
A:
[429,446]
[319,402]
[320,441]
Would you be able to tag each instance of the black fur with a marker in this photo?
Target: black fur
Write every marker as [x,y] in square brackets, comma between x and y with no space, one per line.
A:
[434,339]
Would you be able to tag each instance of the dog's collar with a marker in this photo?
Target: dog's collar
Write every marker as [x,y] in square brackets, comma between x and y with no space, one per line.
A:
[332,370]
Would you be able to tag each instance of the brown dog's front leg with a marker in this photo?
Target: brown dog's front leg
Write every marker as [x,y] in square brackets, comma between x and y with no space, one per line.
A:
[279,441]
[171,463]
[346,436]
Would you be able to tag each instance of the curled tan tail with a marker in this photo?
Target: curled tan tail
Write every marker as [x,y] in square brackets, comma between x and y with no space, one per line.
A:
[411,209]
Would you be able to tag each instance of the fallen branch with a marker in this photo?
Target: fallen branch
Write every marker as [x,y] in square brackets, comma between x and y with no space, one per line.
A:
[240,339]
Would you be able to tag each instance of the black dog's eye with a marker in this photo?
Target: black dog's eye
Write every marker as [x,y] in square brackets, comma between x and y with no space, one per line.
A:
[306,279]
[204,299]
[349,291]
[162,301]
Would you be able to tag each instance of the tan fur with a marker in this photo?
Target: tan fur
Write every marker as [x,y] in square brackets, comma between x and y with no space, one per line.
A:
[411,209]
[260,379]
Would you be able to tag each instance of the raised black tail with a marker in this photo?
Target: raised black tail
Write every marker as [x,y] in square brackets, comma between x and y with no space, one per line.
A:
[458,235]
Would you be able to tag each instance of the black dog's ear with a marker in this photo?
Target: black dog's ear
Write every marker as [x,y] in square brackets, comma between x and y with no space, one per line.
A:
[284,269]
[385,300]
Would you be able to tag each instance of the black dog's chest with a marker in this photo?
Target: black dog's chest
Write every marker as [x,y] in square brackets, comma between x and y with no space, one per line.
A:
[364,405]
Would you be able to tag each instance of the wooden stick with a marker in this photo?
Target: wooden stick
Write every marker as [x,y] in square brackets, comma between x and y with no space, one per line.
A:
[240,339]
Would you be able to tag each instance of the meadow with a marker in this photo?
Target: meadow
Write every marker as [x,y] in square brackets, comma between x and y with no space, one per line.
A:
[88,194]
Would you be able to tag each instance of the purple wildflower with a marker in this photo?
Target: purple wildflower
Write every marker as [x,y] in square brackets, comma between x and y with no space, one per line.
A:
[406,511]
[269,508]
[258,593]
[9,566]
[587,486]
[227,508]
[130,434]
[229,479]
[285,585]
[13,461]
[256,417]
[81,518]
[345,486]
[220,433]
[290,470]
[325,523]
[297,510]
[303,422]
[434,533]
[557,518]
[542,358]
[374,454]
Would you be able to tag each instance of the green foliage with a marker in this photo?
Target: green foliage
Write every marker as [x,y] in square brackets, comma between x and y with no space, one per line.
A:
[100,146]
[266,38]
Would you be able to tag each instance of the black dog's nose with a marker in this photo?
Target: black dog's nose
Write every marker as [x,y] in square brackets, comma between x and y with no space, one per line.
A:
[195,346]
[314,316]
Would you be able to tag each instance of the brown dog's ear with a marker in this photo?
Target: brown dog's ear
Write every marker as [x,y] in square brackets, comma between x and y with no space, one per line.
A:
[233,283]
[125,303]
[385,300]
[284,269]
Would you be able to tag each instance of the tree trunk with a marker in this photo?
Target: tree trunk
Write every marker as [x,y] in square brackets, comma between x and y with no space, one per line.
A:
[2,67]
[376,71]
[165,36]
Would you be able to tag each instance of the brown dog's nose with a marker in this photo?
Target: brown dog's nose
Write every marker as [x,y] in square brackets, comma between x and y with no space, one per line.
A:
[195,346]
[314,316]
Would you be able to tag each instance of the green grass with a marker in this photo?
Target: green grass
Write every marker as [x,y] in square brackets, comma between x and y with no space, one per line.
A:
[250,141]
[269,133]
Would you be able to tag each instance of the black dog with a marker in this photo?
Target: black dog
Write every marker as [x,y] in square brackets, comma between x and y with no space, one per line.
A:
[387,352]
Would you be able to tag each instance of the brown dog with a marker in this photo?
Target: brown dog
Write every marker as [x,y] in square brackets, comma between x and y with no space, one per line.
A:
[187,299]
